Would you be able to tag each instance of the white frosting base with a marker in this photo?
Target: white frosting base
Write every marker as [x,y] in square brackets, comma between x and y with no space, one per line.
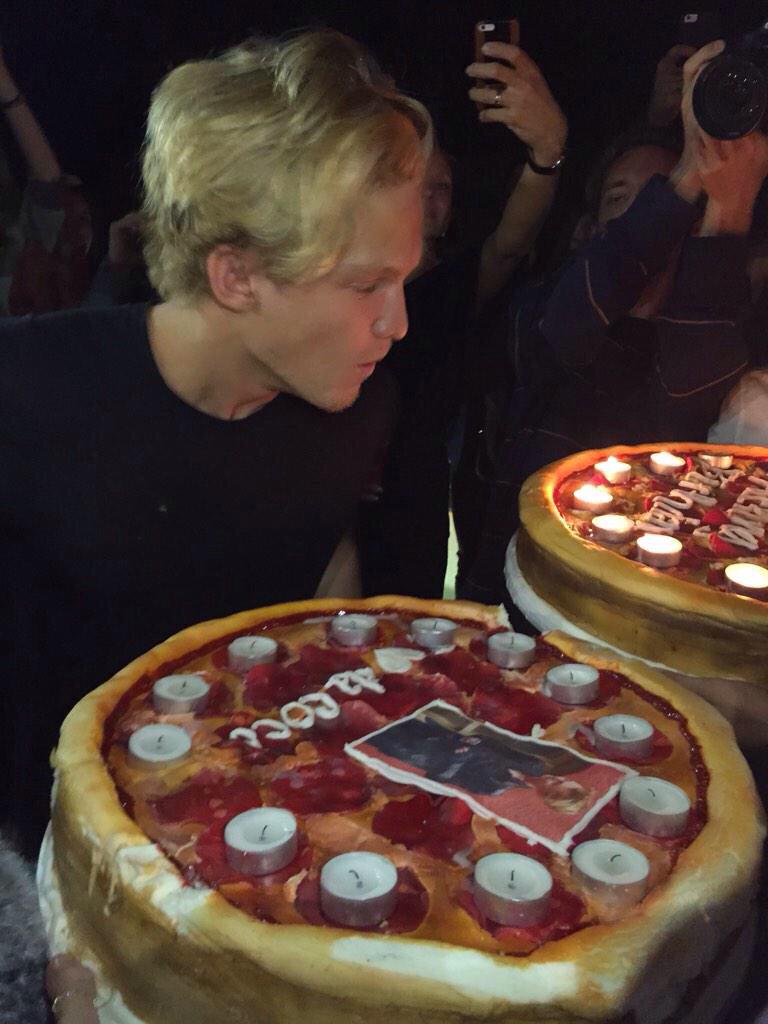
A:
[109,1002]
[463,970]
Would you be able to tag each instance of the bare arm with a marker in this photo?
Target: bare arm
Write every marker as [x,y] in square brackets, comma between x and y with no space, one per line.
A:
[525,105]
[40,158]
[342,575]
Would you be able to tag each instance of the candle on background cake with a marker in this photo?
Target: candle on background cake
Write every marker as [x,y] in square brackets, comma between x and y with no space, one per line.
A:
[747,579]
[572,683]
[718,460]
[659,551]
[511,889]
[180,694]
[351,630]
[615,873]
[591,498]
[247,651]
[614,470]
[261,841]
[654,807]
[433,633]
[159,745]
[667,464]
[511,650]
[358,889]
[613,529]
[623,736]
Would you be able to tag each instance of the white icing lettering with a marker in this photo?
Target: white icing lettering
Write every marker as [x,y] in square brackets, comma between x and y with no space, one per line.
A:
[740,536]
[353,683]
[753,496]
[323,705]
[297,716]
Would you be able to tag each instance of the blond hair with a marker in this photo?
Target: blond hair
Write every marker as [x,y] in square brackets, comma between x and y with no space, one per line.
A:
[271,147]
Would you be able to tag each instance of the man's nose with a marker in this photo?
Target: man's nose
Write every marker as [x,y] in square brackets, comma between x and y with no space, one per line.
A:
[393,323]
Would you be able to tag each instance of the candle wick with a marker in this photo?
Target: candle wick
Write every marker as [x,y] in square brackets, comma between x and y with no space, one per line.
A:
[511,882]
[613,858]
[623,729]
[261,837]
[357,876]
[184,684]
[160,740]
[651,792]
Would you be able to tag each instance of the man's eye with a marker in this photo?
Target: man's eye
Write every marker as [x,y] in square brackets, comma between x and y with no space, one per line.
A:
[366,289]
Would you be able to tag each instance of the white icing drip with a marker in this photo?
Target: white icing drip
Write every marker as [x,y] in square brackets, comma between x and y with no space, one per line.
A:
[753,496]
[701,493]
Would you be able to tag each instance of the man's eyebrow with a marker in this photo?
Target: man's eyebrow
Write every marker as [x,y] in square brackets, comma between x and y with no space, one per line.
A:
[367,269]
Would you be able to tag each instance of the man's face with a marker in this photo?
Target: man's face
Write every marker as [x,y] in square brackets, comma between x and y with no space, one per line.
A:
[321,340]
[438,195]
[628,176]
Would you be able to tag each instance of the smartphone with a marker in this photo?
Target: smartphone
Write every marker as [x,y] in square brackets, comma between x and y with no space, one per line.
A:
[699,28]
[491,31]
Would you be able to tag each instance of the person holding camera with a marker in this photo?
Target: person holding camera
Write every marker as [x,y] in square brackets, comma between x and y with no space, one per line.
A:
[639,336]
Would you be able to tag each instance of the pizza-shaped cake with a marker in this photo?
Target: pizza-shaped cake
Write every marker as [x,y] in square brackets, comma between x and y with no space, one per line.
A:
[658,550]
[398,810]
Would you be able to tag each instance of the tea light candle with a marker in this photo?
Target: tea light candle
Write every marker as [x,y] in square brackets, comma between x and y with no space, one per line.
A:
[433,633]
[511,650]
[717,460]
[614,470]
[353,630]
[511,889]
[747,579]
[654,807]
[614,872]
[159,745]
[591,498]
[572,683]
[612,528]
[667,464]
[180,695]
[658,550]
[623,736]
[247,651]
[358,889]
[261,841]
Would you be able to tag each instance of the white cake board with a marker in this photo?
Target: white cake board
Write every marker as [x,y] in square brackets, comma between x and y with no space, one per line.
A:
[744,704]
[109,1004]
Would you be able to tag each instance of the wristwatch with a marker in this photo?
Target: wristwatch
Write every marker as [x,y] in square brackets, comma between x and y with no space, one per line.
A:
[538,169]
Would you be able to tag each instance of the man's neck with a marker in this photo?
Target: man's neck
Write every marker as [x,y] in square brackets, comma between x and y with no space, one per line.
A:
[201,358]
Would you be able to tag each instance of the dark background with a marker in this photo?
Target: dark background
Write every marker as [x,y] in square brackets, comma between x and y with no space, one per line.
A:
[88,66]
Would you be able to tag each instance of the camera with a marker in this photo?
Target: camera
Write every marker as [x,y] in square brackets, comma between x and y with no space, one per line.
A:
[730,95]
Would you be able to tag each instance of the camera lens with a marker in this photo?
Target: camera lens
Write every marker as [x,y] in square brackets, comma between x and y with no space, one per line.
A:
[730,97]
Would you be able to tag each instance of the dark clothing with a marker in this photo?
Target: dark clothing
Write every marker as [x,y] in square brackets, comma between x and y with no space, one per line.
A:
[587,375]
[404,536]
[128,515]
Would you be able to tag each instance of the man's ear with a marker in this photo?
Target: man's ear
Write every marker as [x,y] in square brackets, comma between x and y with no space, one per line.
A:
[234,278]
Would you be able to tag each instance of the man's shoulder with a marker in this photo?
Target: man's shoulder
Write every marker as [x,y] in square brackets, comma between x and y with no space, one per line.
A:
[49,359]
[76,328]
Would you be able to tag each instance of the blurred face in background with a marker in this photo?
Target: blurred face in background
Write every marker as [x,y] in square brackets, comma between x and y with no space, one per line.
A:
[628,176]
[437,195]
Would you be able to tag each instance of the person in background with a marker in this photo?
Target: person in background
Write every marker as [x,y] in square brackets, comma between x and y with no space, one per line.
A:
[639,337]
[667,94]
[404,534]
[45,238]
[166,465]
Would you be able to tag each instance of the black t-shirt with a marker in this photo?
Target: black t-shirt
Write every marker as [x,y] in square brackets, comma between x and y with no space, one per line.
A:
[127,515]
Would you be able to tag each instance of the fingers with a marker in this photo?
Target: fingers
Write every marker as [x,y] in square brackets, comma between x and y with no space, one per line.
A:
[701,57]
[72,989]
[489,97]
[513,55]
[493,72]
[679,54]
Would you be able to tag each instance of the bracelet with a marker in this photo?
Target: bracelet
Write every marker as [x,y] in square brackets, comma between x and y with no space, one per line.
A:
[17,100]
[538,169]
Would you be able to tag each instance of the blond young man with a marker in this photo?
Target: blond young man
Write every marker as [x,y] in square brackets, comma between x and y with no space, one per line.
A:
[166,465]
